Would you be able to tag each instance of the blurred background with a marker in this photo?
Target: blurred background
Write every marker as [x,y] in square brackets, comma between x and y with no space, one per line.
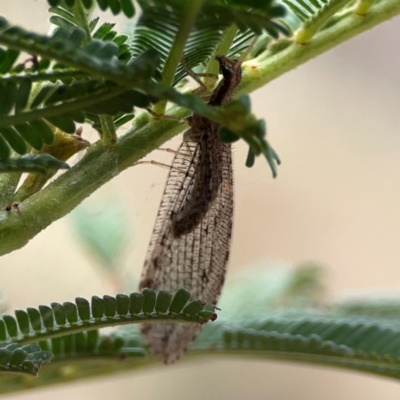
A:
[335,124]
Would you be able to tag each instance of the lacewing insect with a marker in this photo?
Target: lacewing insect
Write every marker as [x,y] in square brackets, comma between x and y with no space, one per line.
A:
[190,243]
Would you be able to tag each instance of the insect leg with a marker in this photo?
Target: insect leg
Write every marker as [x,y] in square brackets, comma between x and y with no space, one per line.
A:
[160,165]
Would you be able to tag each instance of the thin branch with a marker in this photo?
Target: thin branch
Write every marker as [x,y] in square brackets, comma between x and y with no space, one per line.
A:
[222,49]
[109,135]
[285,55]
[175,55]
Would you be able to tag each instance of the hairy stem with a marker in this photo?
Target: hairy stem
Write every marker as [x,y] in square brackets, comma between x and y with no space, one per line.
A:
[285,55]
[310,28]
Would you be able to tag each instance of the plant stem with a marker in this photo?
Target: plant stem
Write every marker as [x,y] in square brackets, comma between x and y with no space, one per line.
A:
[109,135]
[191,10]
[102,163]
[222,49]
[285,55]
[311,27]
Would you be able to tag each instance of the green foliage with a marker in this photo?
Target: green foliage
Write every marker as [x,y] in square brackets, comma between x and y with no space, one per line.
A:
[362,344]
[37,163]
[160,23]
[61,319]
[60,330]
[315,17]
[92,344]
[116,6]
[22,359]
[62,105]
[97,75]
[79,356]
[294,331]
[66,20]
[88,72]
[359,335]
[380,308]
[97,58]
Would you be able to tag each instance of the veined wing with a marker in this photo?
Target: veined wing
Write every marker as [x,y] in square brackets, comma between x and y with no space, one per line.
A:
[191,240]
[179,185]
[197,258]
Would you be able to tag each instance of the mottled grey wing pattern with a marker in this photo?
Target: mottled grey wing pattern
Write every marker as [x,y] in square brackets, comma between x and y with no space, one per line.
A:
[197,259]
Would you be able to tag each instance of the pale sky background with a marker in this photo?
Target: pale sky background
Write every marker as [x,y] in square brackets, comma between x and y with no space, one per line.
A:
[335,123]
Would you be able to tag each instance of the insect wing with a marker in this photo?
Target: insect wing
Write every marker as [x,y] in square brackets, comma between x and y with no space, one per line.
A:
[196,260]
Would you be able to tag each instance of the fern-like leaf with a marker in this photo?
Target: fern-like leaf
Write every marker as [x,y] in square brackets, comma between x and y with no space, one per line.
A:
[157,28]
[359,344]
[80,355]
[61,319]
[25,359]
[36,163]
[26,111]
[386,309]
[61,107]
[160,22]
[311,16]
[115,6]
[65,19]
[92,344]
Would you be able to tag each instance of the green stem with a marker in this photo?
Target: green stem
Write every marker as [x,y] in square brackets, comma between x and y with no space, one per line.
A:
[222,49]
[192,9]
[102,163]
[68,368]
[362,6]
[285,55]
[109,134]
[311,27]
